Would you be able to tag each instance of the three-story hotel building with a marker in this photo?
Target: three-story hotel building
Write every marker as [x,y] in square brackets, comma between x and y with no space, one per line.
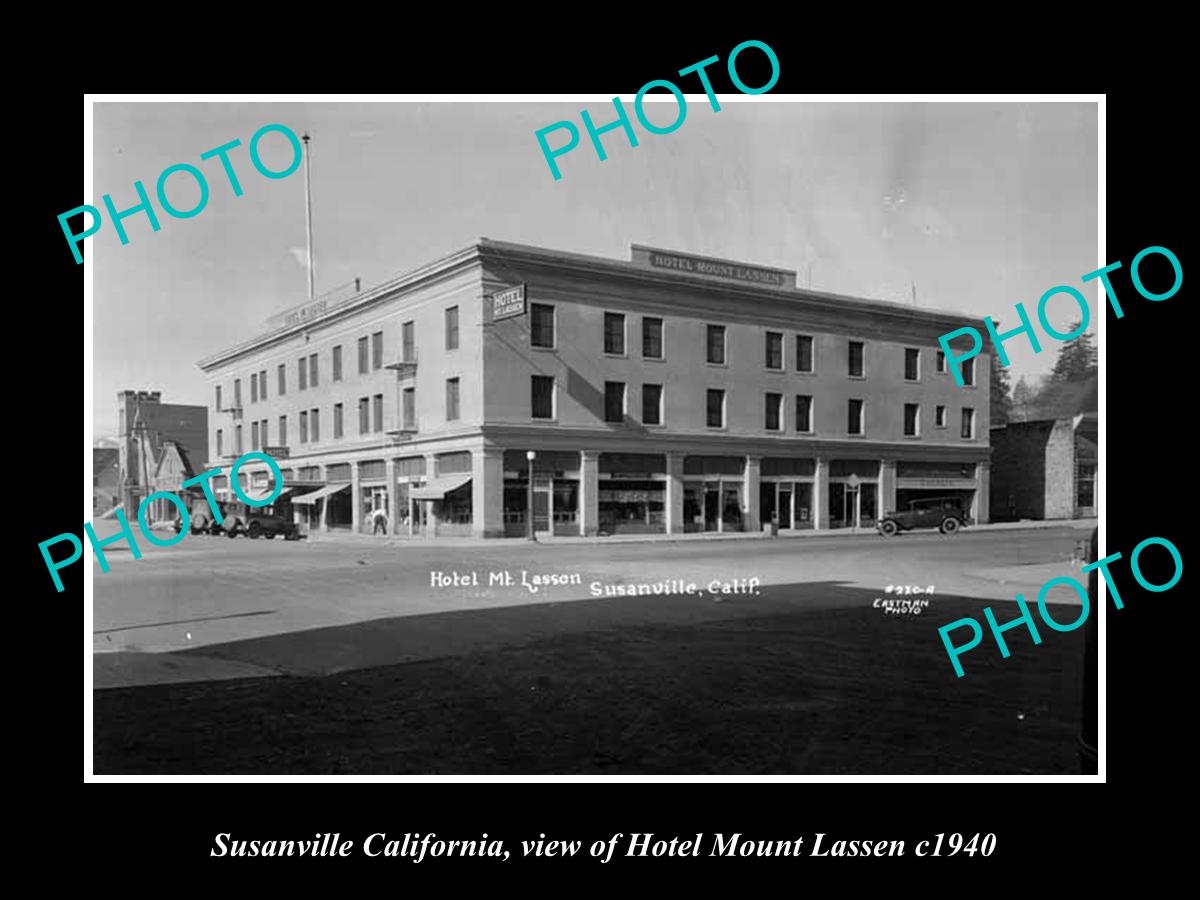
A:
[666,394]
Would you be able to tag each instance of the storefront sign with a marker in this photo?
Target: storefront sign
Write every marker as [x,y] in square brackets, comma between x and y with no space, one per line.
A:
[934,483]
[698,265]
[298,315]
[508,303]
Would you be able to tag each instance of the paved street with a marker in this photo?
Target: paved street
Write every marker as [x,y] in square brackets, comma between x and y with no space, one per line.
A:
[339,656]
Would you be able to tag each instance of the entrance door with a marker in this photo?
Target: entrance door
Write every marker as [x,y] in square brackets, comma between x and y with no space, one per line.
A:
[785,507]
[541,509]
[712,508]
[850,506]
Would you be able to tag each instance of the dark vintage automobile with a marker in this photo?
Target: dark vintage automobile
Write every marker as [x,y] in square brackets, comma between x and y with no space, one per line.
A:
[943,513]
[261,521]
[201,516]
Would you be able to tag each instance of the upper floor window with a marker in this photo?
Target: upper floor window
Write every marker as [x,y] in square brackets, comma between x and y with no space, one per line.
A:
[363,359]
[302,372]
[773,412]
[912,364]
[312,370]
[377,350]
[451,399]
[542,397]
[804,413]
[716,344]
[774,350]
[303,426]
[408,341]
[254,435]
[854,418]
[237,393]
[377,411]
[652,338]
[262,386]
[939,416]
[338,423]
[652,404]
[217,398]
[912,423]
[283,435]
[220,443]
[282,370]
[614,401]
[315,425]
[614,333]
[254,389]
[716,408]
[968,423]
[408,409]
[968,371]
[337,363]
[364,415]
[857,368]
[804,353]
[541,325]
[941,362]
[452,328]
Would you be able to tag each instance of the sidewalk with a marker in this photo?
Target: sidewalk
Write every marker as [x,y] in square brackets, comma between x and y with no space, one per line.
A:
[1081,525]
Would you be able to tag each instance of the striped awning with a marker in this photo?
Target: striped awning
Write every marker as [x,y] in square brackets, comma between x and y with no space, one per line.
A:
[305,499]
[438,488]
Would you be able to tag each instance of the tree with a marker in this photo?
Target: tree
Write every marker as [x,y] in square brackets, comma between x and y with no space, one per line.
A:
[1023,397]
[1001,393]
[1077,359]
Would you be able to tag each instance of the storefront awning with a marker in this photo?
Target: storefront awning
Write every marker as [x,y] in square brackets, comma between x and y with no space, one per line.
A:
[259,494]
[438,487]
[305,499]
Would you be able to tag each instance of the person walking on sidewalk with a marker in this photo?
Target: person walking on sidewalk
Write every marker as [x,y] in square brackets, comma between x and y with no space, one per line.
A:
[379,521]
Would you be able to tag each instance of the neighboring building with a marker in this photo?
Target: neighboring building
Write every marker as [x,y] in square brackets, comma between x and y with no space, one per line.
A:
[156,444]
[669,393]
[1045,469]
[106,478]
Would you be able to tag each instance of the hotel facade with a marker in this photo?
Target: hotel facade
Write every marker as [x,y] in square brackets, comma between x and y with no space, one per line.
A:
[669,393]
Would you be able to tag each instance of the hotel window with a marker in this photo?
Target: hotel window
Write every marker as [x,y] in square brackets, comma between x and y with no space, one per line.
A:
[408,341]
[337,420]
[854,421]
[262,434]
[254,388]
[652,338]
[451,399]
[302,372]
[452,328]
[237,440]
[614,333]
[542,397]
[262,386]
[409,408]
[312,370]
[912,364]
[804,353]
[856,351]
[218,401]
[716,344]
[282,370]
[941,363]
[364,415]
[716,408]
[315,426]
[337,363]
[968,371]
[377,350]
[237,393]
[968,423]
[377,410]
[804,413]
[614,401]
[652,404]
[220,443]
[283,431]
[303,427]
[773,412]
[912,425]
[774,350]
[363,368]
[939,416]
[541,325]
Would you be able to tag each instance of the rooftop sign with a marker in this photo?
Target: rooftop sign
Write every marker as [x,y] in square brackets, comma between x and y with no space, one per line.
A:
[717,268]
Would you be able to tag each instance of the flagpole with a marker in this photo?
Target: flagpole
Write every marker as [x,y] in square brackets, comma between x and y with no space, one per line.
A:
[308,219]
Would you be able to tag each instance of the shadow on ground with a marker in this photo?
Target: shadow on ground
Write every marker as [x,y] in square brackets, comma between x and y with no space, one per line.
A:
[803,679]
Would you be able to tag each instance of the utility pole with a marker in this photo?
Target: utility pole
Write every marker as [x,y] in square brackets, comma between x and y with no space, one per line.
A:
[312,275]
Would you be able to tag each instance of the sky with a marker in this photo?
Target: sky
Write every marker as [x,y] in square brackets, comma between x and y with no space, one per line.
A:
[979,205]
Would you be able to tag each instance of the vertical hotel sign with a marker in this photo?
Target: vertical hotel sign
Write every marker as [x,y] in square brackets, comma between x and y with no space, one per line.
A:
[508,303]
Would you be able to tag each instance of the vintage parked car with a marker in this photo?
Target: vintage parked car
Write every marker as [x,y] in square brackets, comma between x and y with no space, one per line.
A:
[261,521]
[943,513]
[201,516]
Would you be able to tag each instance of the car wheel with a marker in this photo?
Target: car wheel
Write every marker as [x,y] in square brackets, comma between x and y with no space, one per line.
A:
[231,533]
[255,531]
[888,528]
[949,526]
[270,535]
